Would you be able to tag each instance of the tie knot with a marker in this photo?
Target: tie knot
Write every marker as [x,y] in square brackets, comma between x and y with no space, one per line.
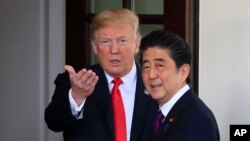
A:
[117,81]
[159,117]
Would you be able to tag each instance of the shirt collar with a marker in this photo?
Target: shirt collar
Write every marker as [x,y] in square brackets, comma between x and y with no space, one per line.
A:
[128,80]
[165,108]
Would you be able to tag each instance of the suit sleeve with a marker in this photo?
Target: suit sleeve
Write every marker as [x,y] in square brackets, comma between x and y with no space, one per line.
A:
[58,114]
[202,127]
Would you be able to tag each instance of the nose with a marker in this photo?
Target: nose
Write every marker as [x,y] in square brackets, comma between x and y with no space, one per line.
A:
[114,48]
[152,73]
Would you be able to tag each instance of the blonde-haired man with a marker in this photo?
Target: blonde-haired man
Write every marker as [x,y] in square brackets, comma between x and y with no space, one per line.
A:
[82,105]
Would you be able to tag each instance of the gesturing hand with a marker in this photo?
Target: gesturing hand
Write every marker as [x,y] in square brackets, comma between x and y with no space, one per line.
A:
[82,83]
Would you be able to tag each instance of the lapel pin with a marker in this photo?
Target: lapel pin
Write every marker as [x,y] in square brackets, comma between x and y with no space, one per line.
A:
[171,120]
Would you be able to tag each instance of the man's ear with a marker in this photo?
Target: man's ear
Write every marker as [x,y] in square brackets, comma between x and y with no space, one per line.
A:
[185,69]
[94,47]
[137,43]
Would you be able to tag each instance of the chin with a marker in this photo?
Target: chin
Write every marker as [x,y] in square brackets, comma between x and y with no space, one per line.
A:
[157,96]
[154,96]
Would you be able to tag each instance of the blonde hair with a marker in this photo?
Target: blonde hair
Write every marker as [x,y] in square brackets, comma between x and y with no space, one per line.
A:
[115,16]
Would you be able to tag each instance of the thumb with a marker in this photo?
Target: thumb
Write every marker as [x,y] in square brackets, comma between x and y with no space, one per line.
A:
[70,70]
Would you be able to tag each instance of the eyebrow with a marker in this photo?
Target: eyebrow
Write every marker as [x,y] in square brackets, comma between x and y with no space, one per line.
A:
[109,38]
[155,59]
[121,37]
[159,59]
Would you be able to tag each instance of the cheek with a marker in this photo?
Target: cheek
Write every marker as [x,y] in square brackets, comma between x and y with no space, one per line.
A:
[102,51]
[163,75]
[132,48]
[127,54]
[145,79]
[166,79]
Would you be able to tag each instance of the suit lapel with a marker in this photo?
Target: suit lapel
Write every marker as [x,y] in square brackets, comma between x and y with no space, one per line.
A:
[140,108]
[139,113]
[102,96]
[173,115]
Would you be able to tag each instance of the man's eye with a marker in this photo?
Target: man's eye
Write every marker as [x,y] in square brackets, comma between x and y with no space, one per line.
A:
[145,67]
[159,66]
[122,41]
[105,42]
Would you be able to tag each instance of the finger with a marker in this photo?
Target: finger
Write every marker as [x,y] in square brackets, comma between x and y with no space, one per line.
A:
[86,76]
[91,78]
[81,73]
[70,70]
[91,86]
[95,81]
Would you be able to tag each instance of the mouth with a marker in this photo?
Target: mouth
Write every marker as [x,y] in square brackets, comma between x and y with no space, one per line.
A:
[155,84]
[115,62]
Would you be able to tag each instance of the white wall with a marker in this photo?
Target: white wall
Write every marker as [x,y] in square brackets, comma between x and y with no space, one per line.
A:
[224,66]
[31,54]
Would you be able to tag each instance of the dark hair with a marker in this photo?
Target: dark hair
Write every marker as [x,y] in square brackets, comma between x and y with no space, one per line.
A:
[177,47]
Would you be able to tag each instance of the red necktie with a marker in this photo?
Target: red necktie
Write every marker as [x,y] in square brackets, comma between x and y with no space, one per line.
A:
[119,113]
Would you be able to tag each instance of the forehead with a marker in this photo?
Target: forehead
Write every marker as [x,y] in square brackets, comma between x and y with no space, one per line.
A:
[114,30]
[152,53]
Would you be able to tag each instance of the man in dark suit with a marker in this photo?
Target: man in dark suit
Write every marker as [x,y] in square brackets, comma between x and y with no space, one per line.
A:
[165,59]
[82,105]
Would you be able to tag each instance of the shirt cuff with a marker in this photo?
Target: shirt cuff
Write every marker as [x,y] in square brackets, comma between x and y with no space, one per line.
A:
[75,109]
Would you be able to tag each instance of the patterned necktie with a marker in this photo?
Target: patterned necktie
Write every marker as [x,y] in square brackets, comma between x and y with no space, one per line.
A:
[157,123]
[119,113]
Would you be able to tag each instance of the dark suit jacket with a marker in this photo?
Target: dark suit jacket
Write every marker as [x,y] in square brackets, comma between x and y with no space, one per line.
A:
[97,121]
[189,120]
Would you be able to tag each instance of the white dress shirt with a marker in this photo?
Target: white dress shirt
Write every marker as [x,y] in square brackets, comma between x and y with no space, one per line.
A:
[127,89]
[165,108]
